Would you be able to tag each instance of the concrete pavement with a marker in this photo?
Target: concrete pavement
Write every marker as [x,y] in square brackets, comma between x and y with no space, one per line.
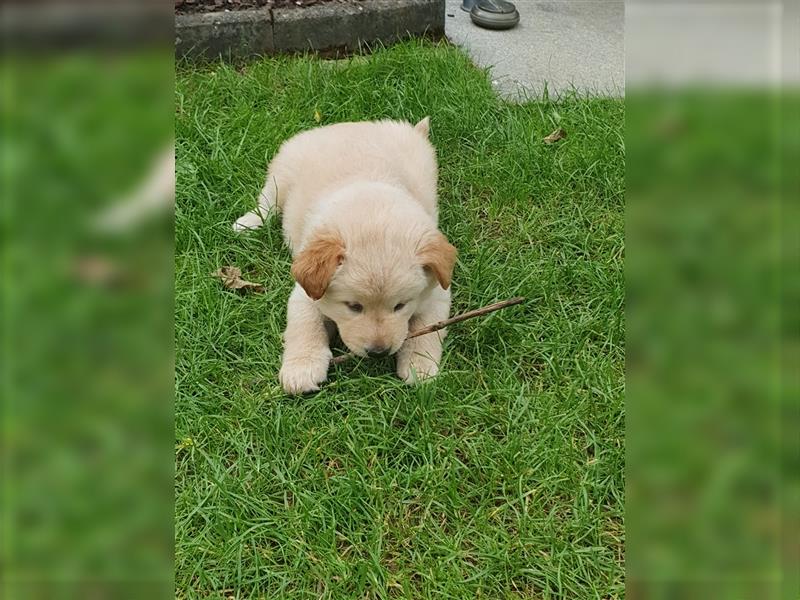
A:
[561,44]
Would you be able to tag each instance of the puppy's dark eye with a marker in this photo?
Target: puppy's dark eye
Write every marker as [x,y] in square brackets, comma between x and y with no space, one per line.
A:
[354,306]
[399,306]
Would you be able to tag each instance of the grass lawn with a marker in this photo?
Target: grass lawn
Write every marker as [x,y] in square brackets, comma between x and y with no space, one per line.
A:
[503,477]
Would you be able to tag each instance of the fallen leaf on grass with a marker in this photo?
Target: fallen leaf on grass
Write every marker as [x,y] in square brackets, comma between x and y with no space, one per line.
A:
[232,279]
[558,134]
[96,270]
[317,116]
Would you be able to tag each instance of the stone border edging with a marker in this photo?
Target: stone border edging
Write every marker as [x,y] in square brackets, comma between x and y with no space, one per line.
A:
[330,29]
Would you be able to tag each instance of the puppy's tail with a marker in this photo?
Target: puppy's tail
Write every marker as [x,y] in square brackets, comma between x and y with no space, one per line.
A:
[424,126]
[266,204]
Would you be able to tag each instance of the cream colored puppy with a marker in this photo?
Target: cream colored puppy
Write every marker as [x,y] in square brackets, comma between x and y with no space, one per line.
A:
[360,218]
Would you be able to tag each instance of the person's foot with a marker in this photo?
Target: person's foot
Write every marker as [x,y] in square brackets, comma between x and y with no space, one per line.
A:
[494,14]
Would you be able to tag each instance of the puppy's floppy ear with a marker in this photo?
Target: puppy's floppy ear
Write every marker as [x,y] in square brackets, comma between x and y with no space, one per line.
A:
[424,126]
[315,264]
[439,257]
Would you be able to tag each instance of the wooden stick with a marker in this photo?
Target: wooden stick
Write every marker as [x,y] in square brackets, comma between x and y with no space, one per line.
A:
[478,312]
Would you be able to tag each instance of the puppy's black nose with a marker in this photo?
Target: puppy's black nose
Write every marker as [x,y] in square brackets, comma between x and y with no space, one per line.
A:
[377,351]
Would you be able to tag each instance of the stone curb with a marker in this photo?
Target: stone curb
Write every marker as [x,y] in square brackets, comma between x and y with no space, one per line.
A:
[329,29]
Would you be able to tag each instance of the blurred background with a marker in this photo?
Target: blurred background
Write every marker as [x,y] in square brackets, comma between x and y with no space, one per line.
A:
[713,142]
[87,435]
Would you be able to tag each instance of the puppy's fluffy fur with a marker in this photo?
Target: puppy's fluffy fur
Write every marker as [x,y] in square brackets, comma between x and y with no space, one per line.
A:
[360,218]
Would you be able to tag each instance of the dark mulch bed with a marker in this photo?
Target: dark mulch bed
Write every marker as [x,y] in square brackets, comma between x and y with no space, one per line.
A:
[201,6]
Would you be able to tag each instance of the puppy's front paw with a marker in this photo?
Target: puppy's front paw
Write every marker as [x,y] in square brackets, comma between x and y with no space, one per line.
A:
[416,368]
[303,374]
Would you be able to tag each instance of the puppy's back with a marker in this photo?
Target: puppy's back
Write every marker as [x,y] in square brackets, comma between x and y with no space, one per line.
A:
[320,160]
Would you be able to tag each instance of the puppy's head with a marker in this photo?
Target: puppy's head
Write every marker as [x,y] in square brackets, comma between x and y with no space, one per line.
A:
[372,283]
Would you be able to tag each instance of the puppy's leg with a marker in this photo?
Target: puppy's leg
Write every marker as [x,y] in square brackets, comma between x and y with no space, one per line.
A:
[418,358]
[267,201]
[306,354]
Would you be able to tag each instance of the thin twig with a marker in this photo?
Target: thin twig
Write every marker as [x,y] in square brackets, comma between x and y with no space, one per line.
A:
[478,312]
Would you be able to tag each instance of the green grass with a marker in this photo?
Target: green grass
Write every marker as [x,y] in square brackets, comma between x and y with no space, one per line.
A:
[502,478]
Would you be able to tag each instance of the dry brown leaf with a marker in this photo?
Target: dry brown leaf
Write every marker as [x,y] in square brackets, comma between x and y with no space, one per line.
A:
[96,270]
[558,134]
[232,279]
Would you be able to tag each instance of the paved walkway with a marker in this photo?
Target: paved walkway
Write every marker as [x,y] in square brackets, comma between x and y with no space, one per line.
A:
[563,44]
